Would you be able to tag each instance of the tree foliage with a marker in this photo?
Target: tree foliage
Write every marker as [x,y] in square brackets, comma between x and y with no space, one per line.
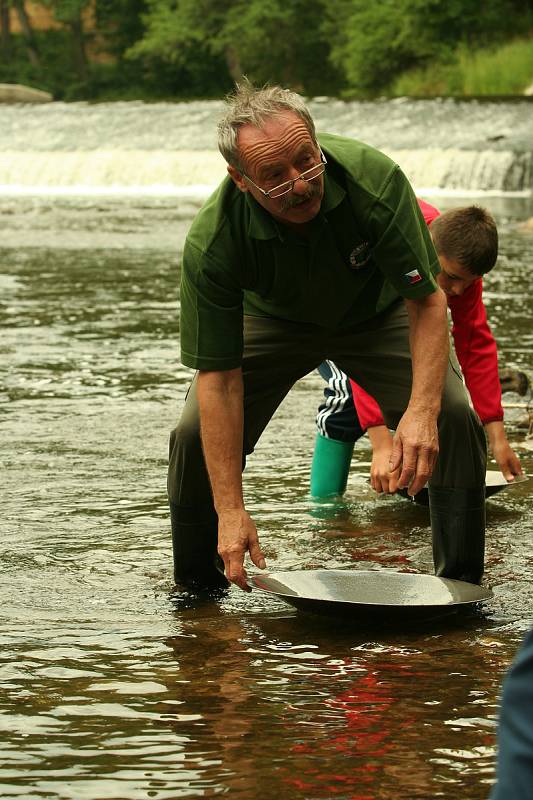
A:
[377,41]
[194,48]
[269,40]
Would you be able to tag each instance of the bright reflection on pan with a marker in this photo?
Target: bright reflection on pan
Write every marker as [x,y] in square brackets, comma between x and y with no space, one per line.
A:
[329,591]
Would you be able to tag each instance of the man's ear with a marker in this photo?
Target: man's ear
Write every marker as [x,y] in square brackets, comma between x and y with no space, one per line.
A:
[237,178]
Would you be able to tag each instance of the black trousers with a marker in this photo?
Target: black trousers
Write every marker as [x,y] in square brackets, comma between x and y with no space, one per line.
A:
[277,353]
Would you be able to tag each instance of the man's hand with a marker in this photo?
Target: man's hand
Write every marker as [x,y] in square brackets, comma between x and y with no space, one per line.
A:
[415,449]
[505,457]
[381,478]
[237,534]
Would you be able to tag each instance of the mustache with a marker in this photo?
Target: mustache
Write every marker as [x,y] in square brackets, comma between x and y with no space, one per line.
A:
[292,201]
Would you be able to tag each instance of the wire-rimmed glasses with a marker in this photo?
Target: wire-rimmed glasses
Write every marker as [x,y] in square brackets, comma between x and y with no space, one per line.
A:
[287,186]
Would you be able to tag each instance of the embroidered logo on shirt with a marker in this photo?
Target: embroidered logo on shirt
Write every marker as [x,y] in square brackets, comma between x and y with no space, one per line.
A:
[413,277]
[360,256]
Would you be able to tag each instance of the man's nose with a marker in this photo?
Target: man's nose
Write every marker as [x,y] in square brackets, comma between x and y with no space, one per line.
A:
[300,186]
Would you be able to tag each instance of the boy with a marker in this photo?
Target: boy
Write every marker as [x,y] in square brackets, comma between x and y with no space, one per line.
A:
[466,241]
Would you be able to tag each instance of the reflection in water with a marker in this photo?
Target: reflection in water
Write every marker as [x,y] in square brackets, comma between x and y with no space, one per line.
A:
[316,715]
[114,687]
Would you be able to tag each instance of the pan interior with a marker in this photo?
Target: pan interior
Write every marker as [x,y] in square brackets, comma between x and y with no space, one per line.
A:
[495,478]
[370,587]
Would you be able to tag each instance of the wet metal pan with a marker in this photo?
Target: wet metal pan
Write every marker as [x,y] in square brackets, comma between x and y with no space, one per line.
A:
[364,595]
[494,482]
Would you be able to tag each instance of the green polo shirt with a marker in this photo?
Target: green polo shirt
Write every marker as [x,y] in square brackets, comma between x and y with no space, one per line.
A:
[368,246]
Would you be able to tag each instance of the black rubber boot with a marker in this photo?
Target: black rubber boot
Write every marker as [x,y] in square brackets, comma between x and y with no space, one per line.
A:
[197,565]
[458,530]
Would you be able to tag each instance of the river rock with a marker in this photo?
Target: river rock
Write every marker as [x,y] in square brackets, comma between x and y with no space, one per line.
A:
[16,93]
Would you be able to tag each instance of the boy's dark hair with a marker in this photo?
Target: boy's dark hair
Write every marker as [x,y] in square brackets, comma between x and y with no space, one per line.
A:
[467,235]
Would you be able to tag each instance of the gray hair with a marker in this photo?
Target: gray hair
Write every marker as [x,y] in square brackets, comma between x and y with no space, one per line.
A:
[248,105]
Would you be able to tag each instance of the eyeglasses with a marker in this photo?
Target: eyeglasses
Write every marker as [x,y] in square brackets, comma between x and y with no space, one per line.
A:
[287,186]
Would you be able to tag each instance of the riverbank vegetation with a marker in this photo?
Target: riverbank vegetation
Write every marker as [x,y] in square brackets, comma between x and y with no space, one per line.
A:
[159,49]
[502,70]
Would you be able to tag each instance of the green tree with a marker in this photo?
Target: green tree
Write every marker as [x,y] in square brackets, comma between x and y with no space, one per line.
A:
[175,29]
[5,31]
[70,14]
[120,24]
[376,41]
[268,40]
[27,32]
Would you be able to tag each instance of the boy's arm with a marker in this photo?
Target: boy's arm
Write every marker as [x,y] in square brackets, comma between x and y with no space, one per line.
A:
[368,411]
[505,457]
[477,354]
[371,420]
[476,350]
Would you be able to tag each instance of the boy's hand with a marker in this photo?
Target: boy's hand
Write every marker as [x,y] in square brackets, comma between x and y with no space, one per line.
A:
[504,455]
[381,477]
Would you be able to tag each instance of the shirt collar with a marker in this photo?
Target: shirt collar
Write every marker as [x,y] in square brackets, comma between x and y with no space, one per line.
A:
[263,226]
[334,194]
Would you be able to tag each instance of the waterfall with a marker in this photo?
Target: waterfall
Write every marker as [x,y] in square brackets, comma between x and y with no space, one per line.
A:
[170,149]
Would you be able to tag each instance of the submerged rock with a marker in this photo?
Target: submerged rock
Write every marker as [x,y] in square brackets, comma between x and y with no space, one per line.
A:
[16,93]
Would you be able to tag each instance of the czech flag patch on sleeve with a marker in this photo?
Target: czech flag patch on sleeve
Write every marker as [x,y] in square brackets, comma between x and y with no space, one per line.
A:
[413,277]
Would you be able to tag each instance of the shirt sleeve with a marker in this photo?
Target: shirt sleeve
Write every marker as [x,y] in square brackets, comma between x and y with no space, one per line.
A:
[403,251]
[429,212]
[476,351]
[211,314]
[368,410]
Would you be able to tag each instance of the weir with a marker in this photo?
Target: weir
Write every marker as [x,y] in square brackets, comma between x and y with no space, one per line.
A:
[170,148]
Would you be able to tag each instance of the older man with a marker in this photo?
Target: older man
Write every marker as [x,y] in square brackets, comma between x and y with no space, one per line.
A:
[312,248]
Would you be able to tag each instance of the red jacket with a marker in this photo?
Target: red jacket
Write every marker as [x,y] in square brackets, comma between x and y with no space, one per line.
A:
[475,347]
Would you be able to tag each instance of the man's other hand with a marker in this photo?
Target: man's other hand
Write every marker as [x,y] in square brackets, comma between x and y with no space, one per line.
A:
[415,449]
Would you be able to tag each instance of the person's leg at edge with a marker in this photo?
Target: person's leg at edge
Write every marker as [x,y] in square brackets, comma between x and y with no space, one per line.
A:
[514,771]
[378,357]
[338,429]
[276,354]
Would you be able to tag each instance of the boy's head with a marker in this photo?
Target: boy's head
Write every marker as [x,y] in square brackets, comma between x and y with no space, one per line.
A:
[466,241]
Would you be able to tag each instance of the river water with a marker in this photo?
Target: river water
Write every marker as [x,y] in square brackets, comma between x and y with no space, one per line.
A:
[113,685]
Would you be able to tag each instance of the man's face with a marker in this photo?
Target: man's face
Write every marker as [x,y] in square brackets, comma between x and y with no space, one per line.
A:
[280,151]
[453,278]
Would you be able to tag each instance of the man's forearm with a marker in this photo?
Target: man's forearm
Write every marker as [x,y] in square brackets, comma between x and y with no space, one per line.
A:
[416,443]
[428,335]
[220,398]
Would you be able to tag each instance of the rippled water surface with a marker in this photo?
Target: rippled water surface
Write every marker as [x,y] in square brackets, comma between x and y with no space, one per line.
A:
[113,686]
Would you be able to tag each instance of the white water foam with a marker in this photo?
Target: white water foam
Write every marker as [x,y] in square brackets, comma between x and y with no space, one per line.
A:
[195,173]
[202,192]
